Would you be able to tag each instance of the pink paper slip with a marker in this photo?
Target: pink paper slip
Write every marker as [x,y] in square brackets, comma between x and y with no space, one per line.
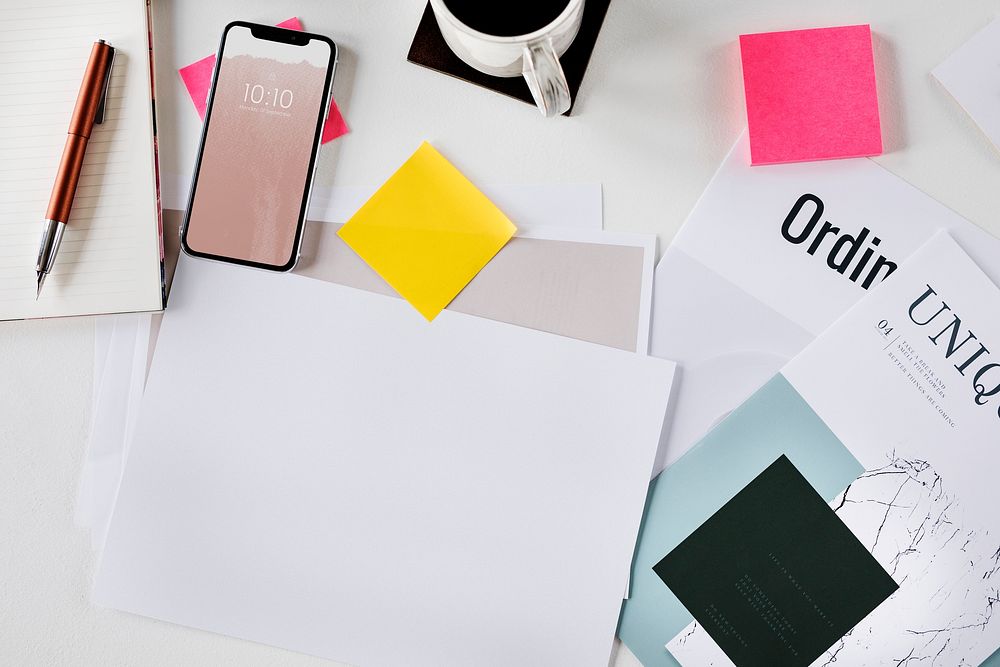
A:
[811,94]
[197,78]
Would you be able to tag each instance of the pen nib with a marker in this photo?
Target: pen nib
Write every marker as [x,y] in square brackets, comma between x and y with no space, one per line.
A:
[41,281]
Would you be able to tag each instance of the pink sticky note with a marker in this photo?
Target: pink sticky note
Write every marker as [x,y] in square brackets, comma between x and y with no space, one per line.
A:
[197,78]
[811,94]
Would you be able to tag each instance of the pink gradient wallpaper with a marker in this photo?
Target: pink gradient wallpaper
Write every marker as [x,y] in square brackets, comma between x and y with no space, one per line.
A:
[255,163]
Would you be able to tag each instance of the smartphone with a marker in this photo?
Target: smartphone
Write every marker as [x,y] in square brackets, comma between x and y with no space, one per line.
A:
[269,98]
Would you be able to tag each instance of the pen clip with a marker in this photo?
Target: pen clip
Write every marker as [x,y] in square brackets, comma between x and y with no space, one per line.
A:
[102,105]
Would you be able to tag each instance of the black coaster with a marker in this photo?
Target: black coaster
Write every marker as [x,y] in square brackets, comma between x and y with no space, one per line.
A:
[430,50]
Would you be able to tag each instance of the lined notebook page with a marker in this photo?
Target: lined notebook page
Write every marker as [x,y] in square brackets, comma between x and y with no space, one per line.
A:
[109,260]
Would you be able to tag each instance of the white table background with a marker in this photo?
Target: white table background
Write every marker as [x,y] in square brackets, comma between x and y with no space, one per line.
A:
[659,108]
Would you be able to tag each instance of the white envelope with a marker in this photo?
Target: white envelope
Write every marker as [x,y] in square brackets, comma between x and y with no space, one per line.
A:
[733,300]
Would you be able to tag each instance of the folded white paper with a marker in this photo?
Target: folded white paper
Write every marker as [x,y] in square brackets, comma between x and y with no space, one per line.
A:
[316,468]
[768,259]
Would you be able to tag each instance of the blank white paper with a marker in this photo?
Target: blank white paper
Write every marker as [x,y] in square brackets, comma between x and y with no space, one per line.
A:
[970,73]
[557,306]
[318,468]
[528,205]
[124,341]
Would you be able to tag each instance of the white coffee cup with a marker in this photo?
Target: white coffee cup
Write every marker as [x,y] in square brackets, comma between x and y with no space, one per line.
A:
[534,55]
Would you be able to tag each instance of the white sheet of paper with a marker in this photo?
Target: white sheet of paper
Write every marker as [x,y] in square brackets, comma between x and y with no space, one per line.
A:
[97,492]
[893,392]
[734,300]
[970,76]
[84,514]
[115,412]
[462,493]
[577,205]
[104,327]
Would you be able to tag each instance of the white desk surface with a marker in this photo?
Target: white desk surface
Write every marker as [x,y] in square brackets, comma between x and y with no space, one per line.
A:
[659,108]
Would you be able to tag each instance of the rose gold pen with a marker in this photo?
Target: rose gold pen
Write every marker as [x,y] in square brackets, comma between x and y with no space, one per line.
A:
[90,105]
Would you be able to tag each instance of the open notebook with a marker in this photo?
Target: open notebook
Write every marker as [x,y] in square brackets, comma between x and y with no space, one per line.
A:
[110,259]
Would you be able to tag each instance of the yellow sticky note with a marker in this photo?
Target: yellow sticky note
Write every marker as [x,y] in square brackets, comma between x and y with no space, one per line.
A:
[428,231]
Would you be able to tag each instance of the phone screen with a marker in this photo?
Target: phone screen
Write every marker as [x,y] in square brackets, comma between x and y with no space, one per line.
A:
[258,148]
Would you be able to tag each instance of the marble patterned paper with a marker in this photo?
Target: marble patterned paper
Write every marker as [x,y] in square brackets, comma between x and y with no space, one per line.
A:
[948,571]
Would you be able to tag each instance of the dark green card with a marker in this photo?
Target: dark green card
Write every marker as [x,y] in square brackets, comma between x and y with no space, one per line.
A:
[775,577]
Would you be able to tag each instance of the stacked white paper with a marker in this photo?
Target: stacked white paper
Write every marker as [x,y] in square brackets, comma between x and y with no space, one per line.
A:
[462,493]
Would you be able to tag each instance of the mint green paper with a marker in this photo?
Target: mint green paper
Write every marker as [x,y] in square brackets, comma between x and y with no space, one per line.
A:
[776,420]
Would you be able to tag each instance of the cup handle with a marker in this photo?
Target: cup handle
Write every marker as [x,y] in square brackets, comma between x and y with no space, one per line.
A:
[545,78]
